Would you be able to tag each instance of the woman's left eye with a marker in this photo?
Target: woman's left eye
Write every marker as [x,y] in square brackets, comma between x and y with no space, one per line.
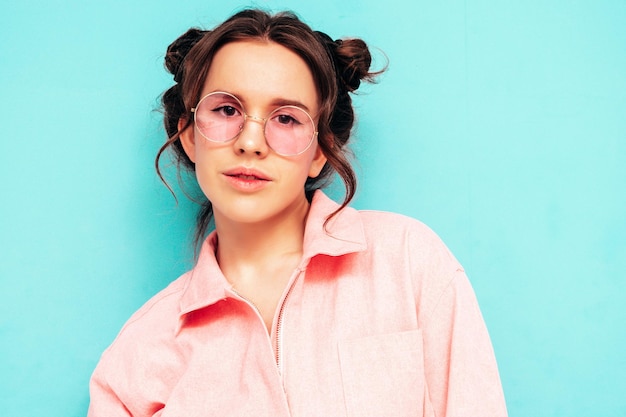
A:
[227,110]
[285,119]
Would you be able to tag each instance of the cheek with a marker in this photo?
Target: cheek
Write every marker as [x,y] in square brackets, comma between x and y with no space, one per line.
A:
[304,166]
[205,152]
[206,160]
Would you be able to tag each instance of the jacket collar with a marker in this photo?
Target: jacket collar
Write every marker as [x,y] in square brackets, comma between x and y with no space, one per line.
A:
[342,234]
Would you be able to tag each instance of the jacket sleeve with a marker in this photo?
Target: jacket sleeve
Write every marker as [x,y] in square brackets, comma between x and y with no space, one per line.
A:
[119,386]
[104,402]
[460,367]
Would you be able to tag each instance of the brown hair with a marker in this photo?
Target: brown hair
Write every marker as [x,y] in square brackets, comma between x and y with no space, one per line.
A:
[337,68]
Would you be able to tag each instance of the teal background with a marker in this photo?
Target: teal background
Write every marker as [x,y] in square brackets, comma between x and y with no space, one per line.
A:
[500,124]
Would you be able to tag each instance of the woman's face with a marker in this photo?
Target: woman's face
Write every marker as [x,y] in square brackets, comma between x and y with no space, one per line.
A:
[245,180]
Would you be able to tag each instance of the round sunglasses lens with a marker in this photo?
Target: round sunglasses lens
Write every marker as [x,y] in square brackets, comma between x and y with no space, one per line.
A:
[219,117]
[289,130]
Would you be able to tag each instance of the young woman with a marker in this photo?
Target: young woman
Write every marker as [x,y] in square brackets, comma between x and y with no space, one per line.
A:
[297,306]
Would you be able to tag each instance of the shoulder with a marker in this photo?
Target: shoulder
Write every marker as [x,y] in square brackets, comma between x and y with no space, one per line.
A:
[385,237]
[165,302]
[393,222]
[412,250]
[145,351]
[153,325]
[410,237]
[156,318]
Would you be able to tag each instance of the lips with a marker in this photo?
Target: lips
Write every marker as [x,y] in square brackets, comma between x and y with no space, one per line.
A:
[247,177]
[247,174]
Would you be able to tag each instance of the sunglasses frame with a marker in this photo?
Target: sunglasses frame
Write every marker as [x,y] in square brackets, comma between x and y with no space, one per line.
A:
[262,120]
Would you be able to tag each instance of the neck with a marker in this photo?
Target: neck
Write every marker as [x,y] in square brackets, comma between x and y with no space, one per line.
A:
[246,247]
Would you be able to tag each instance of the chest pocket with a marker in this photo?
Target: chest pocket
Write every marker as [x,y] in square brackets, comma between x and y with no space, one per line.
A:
[383,375]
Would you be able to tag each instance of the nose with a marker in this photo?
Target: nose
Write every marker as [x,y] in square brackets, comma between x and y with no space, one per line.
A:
[251,139]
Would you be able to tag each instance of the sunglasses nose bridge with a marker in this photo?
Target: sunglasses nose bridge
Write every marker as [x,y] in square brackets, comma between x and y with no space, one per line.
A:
[252,141]
[260,120]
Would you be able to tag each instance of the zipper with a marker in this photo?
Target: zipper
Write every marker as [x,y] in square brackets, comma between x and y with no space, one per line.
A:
[279,321]
[256,310]
[279,324]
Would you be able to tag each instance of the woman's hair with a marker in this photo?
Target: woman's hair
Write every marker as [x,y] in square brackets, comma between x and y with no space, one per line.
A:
[337,68]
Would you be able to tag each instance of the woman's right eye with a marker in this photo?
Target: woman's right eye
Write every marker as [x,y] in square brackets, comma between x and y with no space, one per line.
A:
[226,110]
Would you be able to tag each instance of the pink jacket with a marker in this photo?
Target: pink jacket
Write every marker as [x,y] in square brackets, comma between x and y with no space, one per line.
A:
[378,320]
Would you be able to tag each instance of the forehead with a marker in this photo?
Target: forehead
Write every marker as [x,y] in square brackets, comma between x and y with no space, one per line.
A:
[261,72]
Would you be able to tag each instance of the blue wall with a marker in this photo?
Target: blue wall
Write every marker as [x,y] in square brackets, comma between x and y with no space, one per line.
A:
[501,124]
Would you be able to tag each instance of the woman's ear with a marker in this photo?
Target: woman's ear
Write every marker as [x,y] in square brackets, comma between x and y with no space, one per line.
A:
[187,139]
[319,160]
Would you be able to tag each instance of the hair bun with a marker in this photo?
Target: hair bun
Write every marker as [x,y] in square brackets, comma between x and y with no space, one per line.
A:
[178,49]
[353,62]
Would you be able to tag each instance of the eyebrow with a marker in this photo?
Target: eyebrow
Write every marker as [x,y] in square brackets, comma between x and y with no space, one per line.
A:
[277,102]
[285,102]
